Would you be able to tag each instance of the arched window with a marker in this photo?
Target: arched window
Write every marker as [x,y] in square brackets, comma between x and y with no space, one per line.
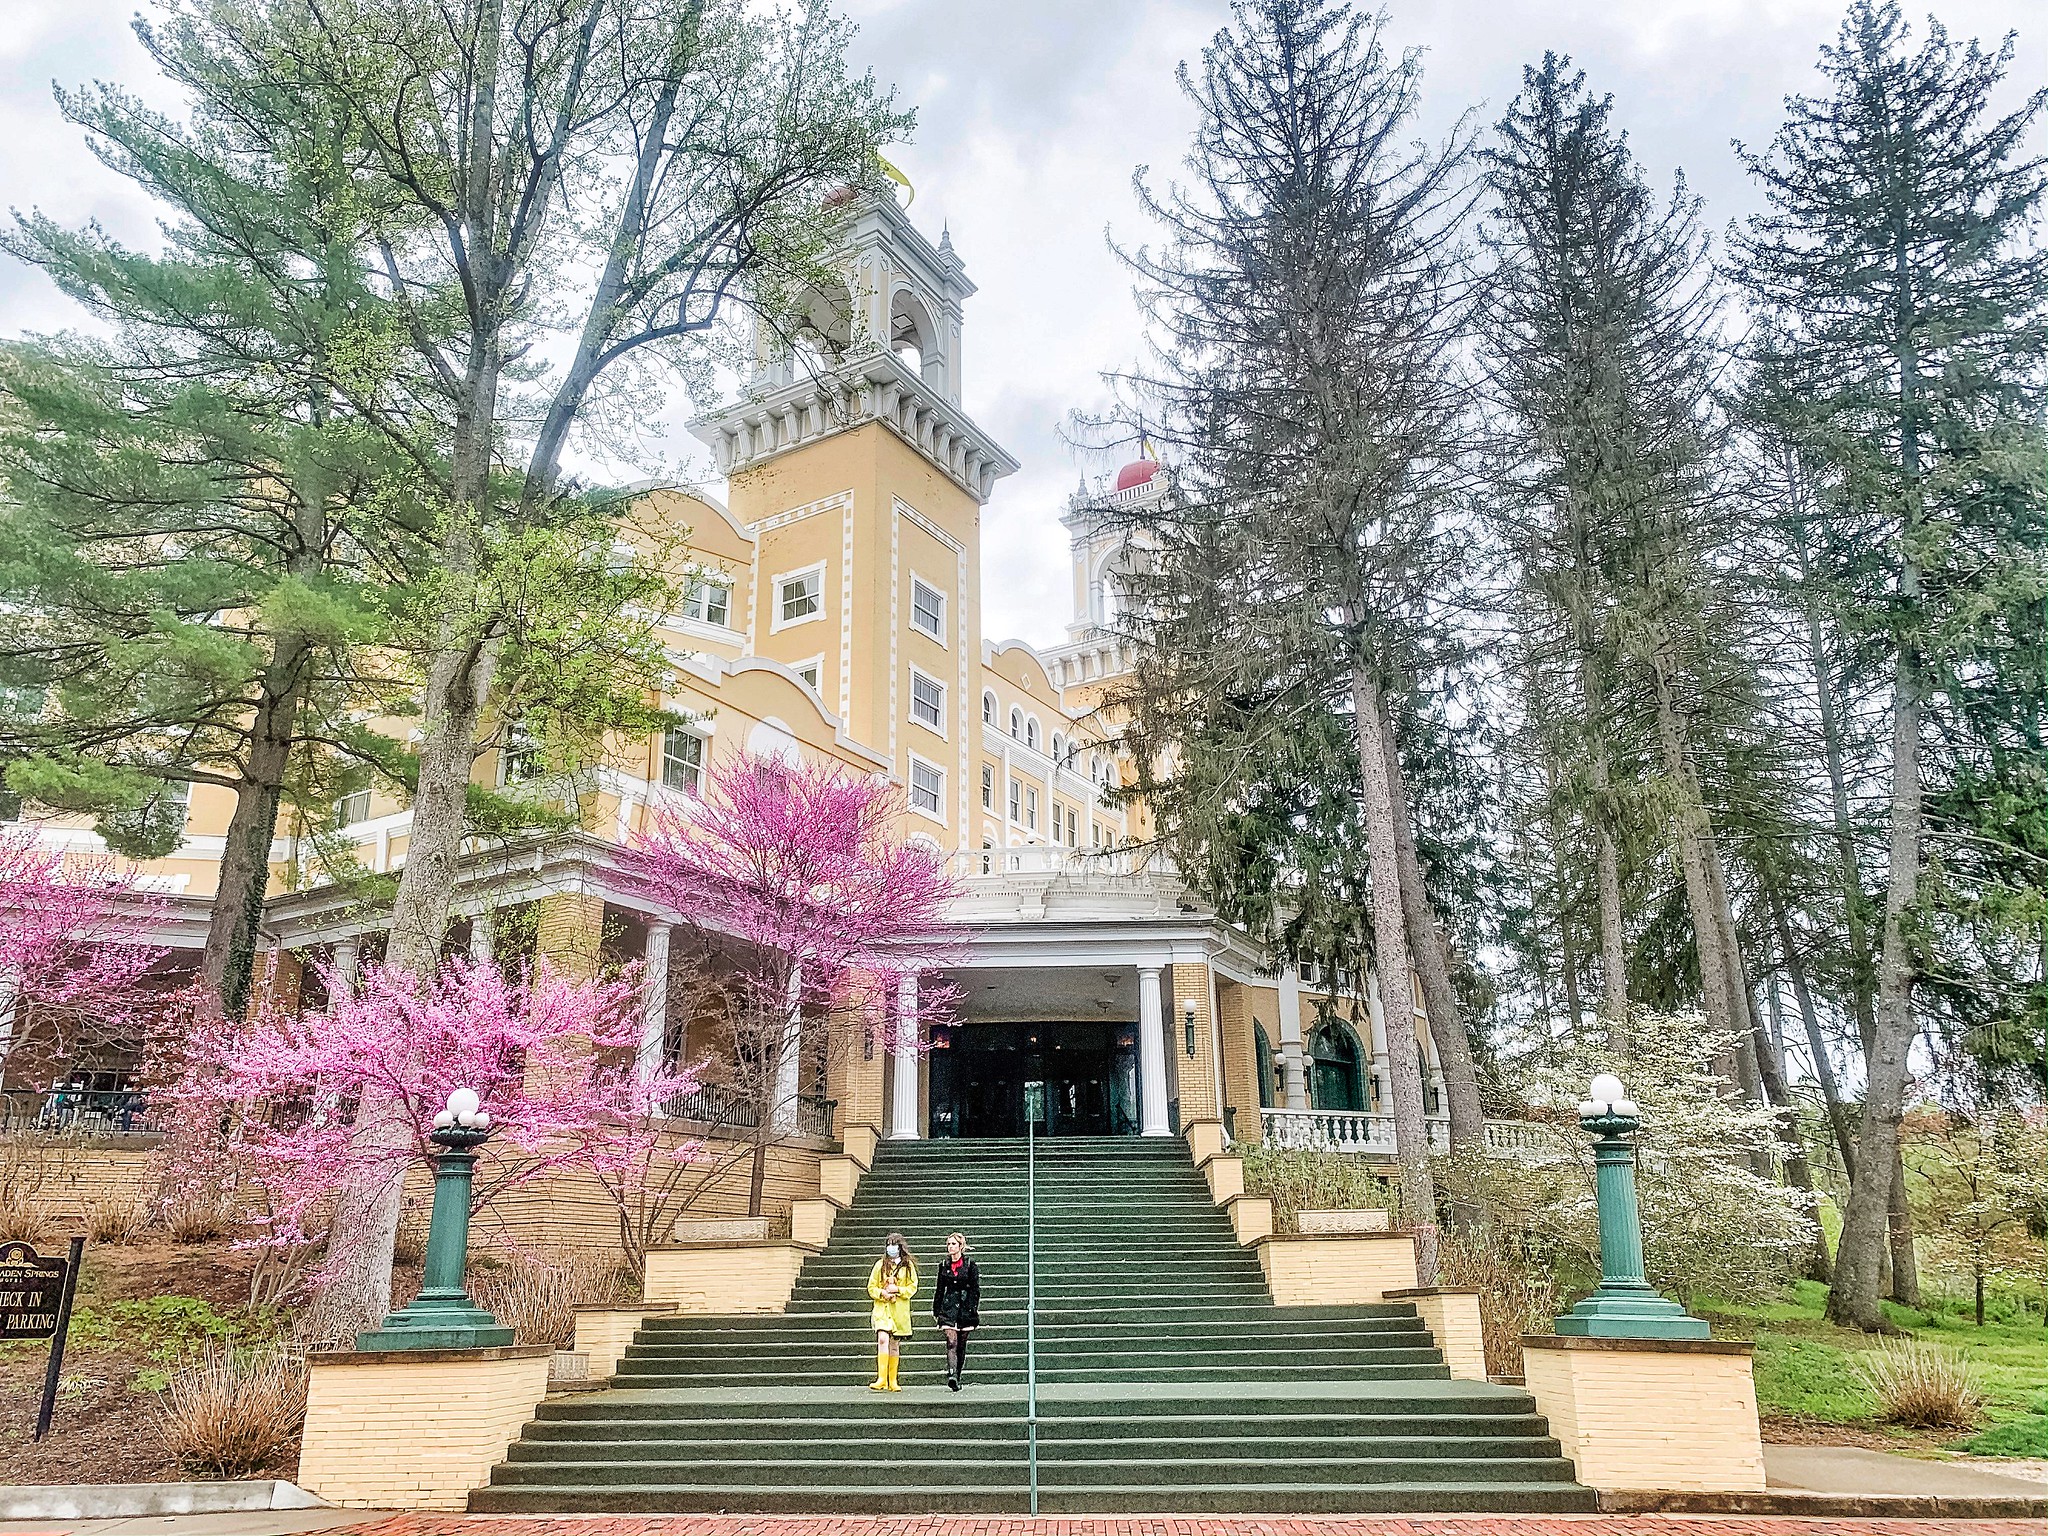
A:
[1336,1076]
[988,708]
[1059,746]
[1269,1090]
[1017,724]
[1031,733]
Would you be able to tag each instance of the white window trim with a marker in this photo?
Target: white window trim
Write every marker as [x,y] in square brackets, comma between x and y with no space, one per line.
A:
[661,759]
[817,661]
[909,790]
[776,622]
[710,625]
[945,598]
[939,730]
[991,708]
[1013,802]
[988,786]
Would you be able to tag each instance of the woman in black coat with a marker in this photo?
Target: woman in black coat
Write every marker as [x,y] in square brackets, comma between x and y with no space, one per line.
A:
[956,1303]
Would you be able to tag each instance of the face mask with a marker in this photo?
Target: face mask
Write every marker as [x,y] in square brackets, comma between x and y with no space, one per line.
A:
[893,1251]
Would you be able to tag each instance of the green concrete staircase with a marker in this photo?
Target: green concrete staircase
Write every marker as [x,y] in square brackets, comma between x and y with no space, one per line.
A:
[1168,1380]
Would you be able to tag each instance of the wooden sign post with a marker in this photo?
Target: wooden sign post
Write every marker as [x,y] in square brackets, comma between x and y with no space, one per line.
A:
[35,1303]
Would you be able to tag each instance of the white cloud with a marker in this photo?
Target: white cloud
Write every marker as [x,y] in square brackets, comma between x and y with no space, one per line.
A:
[1031,121]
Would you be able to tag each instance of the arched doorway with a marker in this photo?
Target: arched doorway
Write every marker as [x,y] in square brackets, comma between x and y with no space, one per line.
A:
[1269,1090]
[1336,1075]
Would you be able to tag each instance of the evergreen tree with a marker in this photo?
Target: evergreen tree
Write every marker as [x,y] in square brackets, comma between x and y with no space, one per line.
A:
[200,533]
[1304,314]
[1896,265]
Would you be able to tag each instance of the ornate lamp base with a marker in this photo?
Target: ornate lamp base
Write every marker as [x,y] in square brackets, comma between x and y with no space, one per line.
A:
[1617,1313]
[438,1322]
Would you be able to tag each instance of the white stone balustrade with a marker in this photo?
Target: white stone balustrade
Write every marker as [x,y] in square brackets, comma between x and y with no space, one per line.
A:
[1370,1135]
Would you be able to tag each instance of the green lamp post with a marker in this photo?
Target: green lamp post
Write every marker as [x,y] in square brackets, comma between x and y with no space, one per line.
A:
[1625,1306]
[442,1316]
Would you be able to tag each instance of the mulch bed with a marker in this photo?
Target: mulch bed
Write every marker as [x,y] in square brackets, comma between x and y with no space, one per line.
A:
[1900,1441]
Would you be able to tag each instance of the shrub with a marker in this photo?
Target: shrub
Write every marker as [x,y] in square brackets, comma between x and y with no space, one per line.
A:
[233,1411]
[34,1167]
[1517,1291]
[536,1295]
[113,1218]
[1300,1180]
[194,1220]
[1926,1386]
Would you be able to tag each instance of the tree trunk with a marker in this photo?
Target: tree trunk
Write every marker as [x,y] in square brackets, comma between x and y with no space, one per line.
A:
[227,962]
[1693,836]
[1390,951]
[1770,1055]
[1823,1067]
[1432,964]
[1613,942]
[1872,1218]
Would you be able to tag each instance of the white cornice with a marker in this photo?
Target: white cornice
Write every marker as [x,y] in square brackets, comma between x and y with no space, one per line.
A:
[872,386]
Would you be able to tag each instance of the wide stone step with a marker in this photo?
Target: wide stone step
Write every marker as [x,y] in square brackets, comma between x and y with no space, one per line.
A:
[1109,1360]
[1048,1372]
[633,1441]
[1010,1497]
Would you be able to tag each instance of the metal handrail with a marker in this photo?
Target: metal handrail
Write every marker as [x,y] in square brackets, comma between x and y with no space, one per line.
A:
[85,1111]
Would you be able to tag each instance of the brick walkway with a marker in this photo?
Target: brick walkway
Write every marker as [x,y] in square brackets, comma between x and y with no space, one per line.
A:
[1182,1525]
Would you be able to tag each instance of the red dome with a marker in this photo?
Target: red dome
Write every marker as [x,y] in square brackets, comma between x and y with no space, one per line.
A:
[1138,472]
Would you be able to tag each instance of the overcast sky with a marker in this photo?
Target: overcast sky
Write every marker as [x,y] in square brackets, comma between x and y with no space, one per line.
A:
[1031,119]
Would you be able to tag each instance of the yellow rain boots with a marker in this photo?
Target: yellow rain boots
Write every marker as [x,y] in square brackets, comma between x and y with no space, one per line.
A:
[895,1364]
[884,1376]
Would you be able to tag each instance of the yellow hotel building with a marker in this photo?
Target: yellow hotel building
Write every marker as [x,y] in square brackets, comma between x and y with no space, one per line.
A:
[841,620]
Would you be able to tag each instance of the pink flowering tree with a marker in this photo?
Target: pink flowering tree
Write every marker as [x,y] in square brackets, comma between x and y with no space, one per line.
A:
[807,903]
[552,1058]
[73,955]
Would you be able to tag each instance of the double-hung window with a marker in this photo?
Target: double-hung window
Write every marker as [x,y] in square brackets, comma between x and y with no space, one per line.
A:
[1016,801]
[988,788]
[800,596]
[1031,808]
[352,808]
[707,600]
[927,787]
[928,609]
[927,701]
[682,759]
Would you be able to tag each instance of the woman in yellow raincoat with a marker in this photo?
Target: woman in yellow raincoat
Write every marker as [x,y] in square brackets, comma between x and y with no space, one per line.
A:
[891,1284]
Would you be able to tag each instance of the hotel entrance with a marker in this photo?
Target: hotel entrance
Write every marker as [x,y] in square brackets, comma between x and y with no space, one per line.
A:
[1090,1071]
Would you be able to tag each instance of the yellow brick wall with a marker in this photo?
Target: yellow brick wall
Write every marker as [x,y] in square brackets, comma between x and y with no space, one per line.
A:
[1330,1271]
[569,932]
[1452,1318]
[856,1086]
[1190,984]
[1240,1054]
[603,1333]
[1634,1415]
[393,1433]
[753,1277]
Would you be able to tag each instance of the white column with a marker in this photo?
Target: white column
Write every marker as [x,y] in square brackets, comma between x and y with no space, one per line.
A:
[1382,1068]
[1151,1055]
[483,938]
[782,1119]
[654,1000]
[1293,1070]
[348,963]
[903,1064]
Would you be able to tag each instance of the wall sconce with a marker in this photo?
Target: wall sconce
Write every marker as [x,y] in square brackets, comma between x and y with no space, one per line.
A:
[1187,1008]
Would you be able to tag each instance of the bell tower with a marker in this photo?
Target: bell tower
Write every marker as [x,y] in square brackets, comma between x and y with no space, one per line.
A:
[861,480]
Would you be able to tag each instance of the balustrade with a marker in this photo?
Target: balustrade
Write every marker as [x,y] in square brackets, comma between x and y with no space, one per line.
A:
[1356,1131]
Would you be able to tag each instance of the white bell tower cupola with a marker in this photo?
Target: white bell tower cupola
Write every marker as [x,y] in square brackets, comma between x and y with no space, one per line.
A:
[881,342]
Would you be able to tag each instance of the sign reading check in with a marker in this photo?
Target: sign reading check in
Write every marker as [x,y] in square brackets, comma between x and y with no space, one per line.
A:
[35,1303]
[31,1292]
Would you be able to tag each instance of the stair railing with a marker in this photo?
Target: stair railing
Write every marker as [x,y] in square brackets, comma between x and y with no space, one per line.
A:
[1034,1111]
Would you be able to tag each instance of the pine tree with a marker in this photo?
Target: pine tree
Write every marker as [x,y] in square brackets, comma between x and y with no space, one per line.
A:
[200,533]
[1598,344]
[1304,309]
[1896,264]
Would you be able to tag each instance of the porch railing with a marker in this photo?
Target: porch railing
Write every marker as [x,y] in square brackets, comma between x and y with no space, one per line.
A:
[726,1108]
[78,1111]
[1371,1135]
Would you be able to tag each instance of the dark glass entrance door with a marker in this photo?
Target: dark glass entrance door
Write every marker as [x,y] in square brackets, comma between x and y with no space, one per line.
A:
[1090,1072]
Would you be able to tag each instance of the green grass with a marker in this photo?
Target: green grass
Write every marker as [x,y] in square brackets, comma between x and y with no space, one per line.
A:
[1805,1364]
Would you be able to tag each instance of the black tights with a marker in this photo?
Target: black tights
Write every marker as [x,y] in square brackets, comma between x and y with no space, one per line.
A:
[956,1350]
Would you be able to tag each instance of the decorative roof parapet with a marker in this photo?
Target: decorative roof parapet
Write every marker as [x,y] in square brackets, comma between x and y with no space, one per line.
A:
[874,385]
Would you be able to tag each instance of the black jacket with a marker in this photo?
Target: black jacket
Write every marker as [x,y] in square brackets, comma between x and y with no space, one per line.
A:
[956,1299]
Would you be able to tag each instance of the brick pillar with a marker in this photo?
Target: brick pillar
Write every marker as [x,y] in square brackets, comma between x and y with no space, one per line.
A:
[570,932]
[1198,1101]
